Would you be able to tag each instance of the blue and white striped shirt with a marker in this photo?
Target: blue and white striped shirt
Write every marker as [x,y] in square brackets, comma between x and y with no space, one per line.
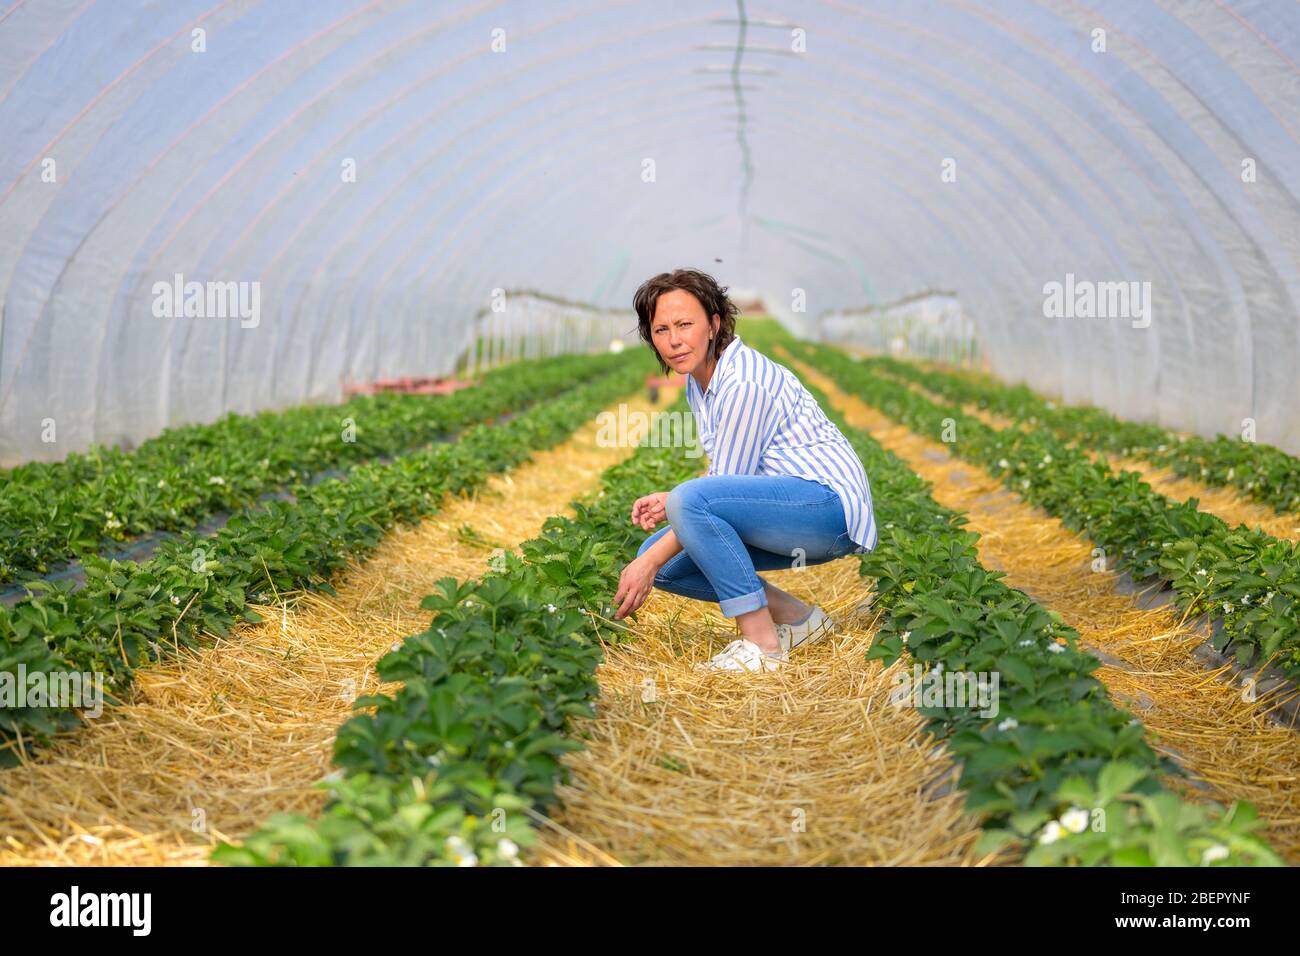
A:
[756,418]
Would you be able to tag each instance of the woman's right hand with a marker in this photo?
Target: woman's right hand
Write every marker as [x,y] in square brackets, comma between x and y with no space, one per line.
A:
[634,586]
[650,510]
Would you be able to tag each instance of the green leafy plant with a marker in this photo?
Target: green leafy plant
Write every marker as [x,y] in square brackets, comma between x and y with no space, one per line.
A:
[488,691]
[1056,730]
[1109,820]
[1261,471]
[128,614]
[1244,580]
[54,512]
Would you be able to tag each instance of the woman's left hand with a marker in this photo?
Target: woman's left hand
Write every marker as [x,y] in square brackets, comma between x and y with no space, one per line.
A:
[649,510]
[634,586]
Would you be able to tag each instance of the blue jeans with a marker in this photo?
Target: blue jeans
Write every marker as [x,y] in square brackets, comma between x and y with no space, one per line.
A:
[733,526]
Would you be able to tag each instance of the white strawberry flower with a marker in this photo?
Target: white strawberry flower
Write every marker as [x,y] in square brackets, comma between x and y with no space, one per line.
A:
[460,852]
[1051,833]
[1009,724]
[507,848]
[1056,648]
[216,480]
[1214,853]
[1075,819]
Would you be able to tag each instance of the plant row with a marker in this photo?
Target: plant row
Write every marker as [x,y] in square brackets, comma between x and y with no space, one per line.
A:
[1244,580]
[1260,471]
[129,613]
[1059,771]
[88,502]
[442,772]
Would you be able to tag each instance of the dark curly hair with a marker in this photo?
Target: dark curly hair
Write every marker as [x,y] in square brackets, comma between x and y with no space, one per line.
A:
[706,290]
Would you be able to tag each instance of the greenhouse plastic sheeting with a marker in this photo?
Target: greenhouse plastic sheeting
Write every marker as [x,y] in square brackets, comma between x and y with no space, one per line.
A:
[828,155]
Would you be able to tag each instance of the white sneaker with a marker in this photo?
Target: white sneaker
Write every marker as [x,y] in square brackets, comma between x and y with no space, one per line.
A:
[743,655]
[817,626]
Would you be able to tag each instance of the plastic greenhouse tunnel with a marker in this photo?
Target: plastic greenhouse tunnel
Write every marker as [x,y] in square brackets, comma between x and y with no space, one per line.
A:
[843,435]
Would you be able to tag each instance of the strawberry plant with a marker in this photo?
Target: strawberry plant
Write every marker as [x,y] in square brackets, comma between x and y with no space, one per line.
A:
[51,513]
[1056,732]
[489,690]
[1243,580]
[128,614]
[1261,471]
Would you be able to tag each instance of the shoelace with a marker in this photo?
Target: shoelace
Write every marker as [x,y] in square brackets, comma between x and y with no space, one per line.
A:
[786,631]
[743,651]
[740,652]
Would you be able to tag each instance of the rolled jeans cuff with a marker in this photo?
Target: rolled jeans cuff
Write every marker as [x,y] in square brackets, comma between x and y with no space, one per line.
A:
[743,604]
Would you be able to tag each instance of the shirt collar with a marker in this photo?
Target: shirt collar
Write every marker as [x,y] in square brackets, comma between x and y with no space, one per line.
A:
[725,360]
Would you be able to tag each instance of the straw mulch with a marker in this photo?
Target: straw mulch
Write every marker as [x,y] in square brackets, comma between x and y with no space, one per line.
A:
[212,744]
[810,765]
[1227,743]
[1227,503]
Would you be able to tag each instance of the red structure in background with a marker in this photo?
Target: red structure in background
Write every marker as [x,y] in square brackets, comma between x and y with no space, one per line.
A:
[425,385]
[419,385]
[656,383]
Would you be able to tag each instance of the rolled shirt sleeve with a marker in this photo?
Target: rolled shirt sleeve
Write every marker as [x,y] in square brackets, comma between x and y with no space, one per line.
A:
[745,421]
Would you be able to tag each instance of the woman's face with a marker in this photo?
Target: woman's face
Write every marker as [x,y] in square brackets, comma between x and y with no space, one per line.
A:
[681,331]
